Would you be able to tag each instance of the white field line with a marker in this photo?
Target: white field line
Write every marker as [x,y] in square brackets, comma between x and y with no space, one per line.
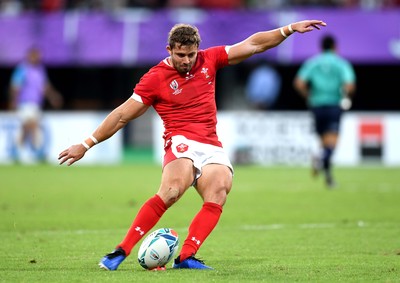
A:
[359,224]
[299,226]
[122,232]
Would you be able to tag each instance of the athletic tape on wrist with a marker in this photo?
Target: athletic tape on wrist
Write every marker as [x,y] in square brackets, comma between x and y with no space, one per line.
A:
[85,145]
[283,33]
[290,28]
[94,139]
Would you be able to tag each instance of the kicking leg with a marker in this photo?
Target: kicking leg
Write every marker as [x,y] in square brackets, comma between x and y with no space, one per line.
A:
[177,177]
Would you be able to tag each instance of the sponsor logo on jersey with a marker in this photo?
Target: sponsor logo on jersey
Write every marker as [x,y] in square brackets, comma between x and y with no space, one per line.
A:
[189,76]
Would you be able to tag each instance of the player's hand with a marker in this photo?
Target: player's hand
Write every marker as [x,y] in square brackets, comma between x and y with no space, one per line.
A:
[56,99]
[72,154]
[307,25]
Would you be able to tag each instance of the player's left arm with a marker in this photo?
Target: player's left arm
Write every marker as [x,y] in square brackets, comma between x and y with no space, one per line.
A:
[262,41]
[301,86]
[53,96]
[349,78]
[349,89]
[17,80]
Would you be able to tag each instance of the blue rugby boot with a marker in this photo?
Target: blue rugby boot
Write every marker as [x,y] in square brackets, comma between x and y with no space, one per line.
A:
[112,260]
[190,263]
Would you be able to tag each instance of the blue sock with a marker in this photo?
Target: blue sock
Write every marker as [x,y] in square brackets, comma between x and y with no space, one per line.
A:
[326,158]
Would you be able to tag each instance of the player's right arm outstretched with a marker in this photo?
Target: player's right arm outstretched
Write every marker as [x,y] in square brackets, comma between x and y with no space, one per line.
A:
[116,120]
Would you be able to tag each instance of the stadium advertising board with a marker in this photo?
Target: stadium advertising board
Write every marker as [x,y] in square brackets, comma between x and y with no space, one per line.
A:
[287,138]
[60,130]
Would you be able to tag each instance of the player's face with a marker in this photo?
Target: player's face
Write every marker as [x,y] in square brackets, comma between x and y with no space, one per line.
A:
[34,56]
[183,57]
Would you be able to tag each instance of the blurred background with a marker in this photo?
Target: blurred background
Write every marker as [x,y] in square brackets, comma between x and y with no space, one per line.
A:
[95,51]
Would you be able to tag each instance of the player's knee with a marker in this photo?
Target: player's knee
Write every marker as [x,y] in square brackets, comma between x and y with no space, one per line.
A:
[219,193]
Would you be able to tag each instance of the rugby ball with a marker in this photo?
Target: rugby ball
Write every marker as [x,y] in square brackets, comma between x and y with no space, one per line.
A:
[158,248]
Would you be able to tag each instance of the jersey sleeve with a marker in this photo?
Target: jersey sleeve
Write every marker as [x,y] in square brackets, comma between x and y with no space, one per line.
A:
[348,73]
[145,91]
[305,70]
[18,76]
[219,55]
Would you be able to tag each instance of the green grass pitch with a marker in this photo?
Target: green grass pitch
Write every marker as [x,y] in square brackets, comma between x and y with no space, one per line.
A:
[279,225]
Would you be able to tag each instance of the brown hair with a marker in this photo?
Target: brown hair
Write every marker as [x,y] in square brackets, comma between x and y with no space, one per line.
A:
[328,43]
[183,34]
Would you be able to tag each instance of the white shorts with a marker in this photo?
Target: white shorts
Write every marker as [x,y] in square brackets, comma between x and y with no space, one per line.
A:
[28,111]
[200,153]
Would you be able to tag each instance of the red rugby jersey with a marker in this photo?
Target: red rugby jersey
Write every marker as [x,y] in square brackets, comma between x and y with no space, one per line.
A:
[185,102]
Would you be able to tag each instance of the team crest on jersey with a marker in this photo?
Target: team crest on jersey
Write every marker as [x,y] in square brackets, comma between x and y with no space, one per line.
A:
[205,72]
[175,86]
[181,148]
